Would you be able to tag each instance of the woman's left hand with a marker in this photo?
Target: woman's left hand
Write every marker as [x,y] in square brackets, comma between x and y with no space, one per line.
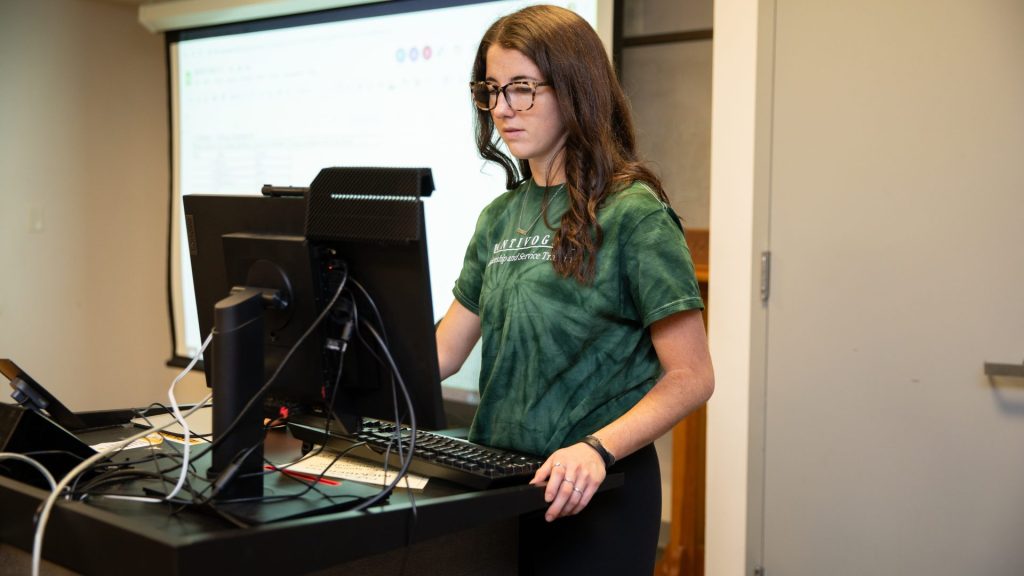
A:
[574,474]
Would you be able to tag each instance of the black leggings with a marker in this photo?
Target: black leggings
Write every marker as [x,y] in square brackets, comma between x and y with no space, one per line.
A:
[616,534]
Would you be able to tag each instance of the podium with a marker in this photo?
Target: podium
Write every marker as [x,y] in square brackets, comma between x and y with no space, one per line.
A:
[443,529]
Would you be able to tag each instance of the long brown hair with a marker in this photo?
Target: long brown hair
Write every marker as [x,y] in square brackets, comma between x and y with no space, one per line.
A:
[600,154]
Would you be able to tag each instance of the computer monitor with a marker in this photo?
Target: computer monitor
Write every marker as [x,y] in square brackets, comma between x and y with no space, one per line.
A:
[363,226]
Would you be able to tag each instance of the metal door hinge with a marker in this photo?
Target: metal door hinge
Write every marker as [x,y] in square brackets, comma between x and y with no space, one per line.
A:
[766,272]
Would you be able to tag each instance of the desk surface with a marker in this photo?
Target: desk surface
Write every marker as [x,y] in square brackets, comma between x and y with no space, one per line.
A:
[118,537]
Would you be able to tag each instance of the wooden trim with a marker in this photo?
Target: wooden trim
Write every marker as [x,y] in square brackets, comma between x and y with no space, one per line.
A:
[697,240]
[684,553]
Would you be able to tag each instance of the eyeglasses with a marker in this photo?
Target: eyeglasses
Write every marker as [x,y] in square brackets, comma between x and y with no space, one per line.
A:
[519,94]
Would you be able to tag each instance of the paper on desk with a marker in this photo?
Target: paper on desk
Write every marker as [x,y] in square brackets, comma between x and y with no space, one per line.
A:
[192,440]
[355,470]
[149,440]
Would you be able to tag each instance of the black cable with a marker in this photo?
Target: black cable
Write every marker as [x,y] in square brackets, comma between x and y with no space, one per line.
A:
[373,306]
[380,322]
[228,474]
[231,518]
[370,348]
[35,453]
[153,456]
[412,424]
[178,455]
[262,391]
[343,337]
[78,457]
[387,342]
[211,500]
[115,477]
[141,413]
[91,489]
[395,376]
[311,485]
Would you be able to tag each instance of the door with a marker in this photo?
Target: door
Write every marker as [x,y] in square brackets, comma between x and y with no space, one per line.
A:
[897,271]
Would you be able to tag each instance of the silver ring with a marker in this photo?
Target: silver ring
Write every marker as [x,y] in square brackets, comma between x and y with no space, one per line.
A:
[571,483]
[575,489]
[557,464]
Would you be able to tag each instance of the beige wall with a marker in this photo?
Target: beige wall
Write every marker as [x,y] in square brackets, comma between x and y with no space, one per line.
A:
[83,194]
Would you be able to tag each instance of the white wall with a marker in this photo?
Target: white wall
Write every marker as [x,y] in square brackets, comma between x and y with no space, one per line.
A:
[735,246]
[83,195]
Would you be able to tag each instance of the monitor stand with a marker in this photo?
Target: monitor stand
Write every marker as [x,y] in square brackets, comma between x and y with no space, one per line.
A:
[236,377]
[236,466]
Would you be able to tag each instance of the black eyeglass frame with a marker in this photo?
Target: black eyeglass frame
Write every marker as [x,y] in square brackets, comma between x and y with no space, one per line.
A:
[494,90]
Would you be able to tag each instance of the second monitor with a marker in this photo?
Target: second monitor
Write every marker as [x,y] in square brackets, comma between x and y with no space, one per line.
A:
[356,230]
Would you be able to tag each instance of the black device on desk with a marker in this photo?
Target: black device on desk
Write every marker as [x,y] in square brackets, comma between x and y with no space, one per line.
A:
[269,266]
[40,426]
[32,395]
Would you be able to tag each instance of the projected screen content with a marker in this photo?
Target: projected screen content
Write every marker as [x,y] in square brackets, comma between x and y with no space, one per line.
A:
[380,85]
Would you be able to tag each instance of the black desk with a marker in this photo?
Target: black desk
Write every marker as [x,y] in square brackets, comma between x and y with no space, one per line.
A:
[456,531]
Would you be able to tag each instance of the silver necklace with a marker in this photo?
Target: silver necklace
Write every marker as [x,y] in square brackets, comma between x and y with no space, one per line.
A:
[524,231]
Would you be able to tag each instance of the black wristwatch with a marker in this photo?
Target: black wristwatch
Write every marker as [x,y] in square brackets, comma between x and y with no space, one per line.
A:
[595,443]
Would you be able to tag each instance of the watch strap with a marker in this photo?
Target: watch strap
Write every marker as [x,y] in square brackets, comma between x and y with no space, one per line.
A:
[595,443]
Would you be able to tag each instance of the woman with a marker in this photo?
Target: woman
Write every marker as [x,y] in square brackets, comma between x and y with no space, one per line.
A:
[580,284]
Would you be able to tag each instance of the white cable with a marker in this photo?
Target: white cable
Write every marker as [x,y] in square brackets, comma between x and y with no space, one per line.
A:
[181,420]
[44,515]
[42,469]
[148,499]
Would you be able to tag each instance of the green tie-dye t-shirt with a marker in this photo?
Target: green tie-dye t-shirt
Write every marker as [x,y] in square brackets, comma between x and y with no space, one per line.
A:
[561,359]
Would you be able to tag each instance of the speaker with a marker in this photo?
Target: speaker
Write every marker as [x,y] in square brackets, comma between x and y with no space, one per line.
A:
[367,204]
[33,434]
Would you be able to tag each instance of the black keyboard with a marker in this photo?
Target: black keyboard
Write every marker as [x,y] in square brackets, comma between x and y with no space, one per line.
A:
[436,455]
